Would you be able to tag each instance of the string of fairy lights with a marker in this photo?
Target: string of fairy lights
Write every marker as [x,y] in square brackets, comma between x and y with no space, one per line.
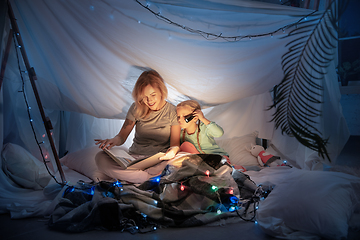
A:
[44,156]
[227,201]
[215,36]
[232,203]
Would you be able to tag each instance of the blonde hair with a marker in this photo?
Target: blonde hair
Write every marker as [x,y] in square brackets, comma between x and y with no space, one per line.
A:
[150,77]
[194,105]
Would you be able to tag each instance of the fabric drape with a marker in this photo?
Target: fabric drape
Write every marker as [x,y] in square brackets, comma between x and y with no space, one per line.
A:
[88,54]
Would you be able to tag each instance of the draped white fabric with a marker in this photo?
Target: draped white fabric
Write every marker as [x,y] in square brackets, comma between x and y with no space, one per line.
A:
[88,54]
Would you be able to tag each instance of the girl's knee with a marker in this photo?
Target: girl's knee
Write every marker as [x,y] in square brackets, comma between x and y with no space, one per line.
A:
[188,147]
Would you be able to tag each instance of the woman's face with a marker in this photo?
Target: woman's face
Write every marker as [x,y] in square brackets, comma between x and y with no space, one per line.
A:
[184,112]
[152,98]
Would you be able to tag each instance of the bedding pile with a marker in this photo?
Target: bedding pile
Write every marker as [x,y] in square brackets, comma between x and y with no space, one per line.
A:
[191,190]
[194,190]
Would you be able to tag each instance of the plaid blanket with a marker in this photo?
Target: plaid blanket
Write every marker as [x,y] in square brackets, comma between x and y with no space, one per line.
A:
[196,190]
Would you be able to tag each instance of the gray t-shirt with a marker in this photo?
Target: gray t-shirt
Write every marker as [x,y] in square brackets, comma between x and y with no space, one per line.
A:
[152,135]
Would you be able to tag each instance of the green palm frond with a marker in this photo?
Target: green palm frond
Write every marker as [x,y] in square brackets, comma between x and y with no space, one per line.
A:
[298,98]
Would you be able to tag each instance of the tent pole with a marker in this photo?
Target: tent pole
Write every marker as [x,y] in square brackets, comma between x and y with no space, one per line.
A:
[3,7]
[32,77]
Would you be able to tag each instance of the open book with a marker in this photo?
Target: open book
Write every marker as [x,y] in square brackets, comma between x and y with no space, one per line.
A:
[126,161]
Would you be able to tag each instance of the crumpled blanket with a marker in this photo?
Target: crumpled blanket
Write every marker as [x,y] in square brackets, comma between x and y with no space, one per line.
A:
[196,190]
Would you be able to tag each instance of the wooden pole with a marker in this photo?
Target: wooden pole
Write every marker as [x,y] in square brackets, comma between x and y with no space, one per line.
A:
[316,4]
[307,4]
[32,77]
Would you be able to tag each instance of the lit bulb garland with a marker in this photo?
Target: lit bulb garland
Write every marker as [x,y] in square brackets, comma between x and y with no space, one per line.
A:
[213,36]
[226,201]
[182,187]
[28,108]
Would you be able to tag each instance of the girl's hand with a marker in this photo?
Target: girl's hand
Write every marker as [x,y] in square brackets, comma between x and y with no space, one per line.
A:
[198,113]
[170,153]
[108,143]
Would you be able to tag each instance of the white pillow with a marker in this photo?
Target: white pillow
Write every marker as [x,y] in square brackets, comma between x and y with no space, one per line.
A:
[83,161]
[236,148]
[23,168]
[310,202]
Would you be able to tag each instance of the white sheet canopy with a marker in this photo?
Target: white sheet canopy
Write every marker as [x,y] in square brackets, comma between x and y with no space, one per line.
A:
[87,55]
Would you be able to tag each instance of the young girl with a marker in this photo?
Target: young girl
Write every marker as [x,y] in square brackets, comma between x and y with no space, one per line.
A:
[198,132]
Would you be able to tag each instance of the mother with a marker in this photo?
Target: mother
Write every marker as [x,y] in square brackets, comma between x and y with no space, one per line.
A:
[156,127]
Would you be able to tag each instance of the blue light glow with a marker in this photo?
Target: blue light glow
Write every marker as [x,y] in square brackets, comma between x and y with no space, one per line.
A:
[234,199]
[92,191]
[117,184]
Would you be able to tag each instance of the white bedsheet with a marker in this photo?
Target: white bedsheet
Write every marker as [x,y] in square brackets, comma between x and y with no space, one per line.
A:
[24,203]
[307,204]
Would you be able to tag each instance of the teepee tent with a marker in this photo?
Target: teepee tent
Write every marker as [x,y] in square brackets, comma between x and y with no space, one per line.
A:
[88,54]
[232,56]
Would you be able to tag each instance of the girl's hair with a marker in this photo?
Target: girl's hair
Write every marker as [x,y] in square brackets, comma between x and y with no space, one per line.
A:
[194,105]
[150,77]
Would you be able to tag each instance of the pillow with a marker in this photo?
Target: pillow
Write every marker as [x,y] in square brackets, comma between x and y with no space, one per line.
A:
[236,148]
[83,161]
[310,202]
[23,168]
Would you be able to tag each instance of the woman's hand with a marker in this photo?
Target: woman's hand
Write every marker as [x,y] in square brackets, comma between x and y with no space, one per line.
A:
[170,153]
[109,143]
[119,139]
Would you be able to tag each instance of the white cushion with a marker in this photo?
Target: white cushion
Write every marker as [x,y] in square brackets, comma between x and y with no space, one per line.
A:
[236,148]
[83,161]
[23,168]
[313,202]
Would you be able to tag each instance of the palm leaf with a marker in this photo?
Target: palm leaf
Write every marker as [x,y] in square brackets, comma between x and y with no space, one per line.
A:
[298,98]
